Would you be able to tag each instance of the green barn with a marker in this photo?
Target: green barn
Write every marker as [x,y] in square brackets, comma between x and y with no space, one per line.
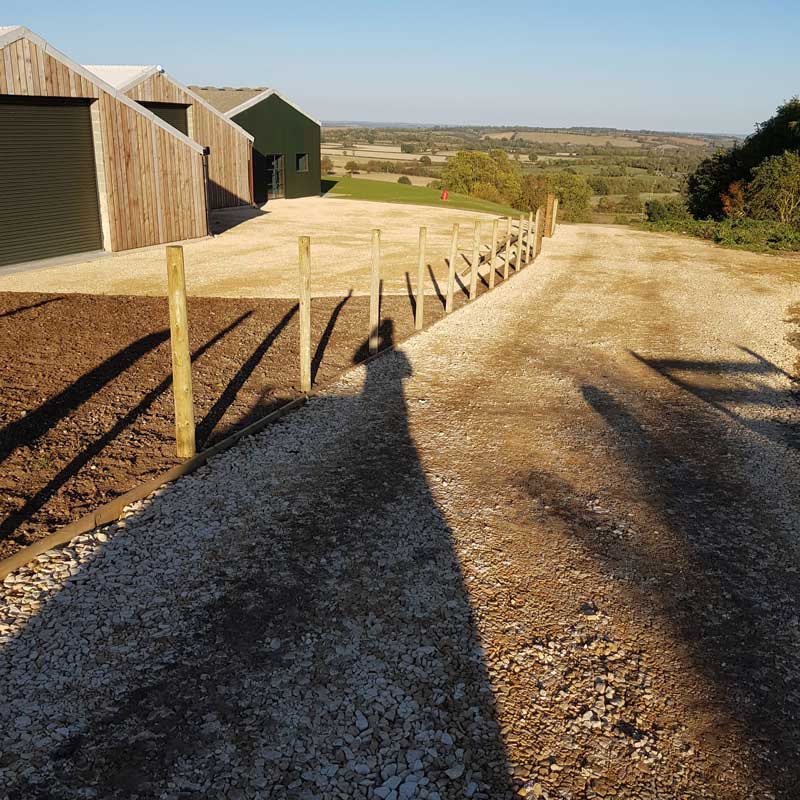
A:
[286,149]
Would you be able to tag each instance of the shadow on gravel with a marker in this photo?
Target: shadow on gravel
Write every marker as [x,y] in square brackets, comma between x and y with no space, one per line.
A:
[722,568]
[702,379]
[292,622]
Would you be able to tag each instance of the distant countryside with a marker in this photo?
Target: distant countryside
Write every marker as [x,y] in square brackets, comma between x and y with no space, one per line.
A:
[737,191]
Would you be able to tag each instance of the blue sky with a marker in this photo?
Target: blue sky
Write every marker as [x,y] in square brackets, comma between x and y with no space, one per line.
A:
[698,66]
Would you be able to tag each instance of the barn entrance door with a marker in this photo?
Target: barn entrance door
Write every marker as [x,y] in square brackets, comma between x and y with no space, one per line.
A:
[276,182]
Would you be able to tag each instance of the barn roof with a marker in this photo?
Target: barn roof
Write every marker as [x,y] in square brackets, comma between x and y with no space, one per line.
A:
[231,101]
[11,33]
[122,76]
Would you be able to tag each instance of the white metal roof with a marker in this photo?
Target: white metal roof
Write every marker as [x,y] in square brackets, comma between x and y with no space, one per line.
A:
[11,33]
[120,76]
[124,77]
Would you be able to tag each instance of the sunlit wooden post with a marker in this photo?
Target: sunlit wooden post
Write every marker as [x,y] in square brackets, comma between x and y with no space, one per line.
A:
[305,314]
[181,357]
[507,254]
[493,253]
[375,292]
[519,241]
[528,241]
[451,271]
[537,233]
[555,216]
[548,215]
[476,257]
[420,313]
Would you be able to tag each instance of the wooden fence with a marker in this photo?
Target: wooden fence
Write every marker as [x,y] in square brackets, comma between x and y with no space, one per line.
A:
[516,250]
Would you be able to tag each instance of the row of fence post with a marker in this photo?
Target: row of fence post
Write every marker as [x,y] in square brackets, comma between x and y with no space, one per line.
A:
[519,252]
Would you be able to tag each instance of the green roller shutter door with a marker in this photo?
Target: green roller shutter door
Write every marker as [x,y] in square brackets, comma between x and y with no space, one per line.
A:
[48,186]
[175,115]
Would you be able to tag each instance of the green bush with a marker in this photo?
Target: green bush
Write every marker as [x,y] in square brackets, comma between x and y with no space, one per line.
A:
[404,179]
[671,209]
[747,234]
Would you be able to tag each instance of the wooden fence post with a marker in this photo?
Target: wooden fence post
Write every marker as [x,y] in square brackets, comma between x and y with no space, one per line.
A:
[420,313]
[537,236]
[305,314]
[181,357]
[548,215]
[555,217]
[375,292]
[451,271]
[507,255]
[493,253]
[519,242]
[476,257]
[528,242]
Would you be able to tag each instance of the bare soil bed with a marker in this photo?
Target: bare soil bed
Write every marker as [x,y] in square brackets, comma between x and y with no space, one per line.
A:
[86,411]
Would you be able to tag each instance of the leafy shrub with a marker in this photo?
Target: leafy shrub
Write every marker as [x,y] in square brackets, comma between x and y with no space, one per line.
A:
[573,192]
[486,191]
[404,179]
[748,234]
[672,209]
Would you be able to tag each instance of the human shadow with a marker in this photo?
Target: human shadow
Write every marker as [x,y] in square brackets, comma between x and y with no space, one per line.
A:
[44,417]
[722,576]
[307,617]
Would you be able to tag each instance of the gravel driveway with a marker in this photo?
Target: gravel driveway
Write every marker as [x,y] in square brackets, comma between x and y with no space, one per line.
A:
[549,548]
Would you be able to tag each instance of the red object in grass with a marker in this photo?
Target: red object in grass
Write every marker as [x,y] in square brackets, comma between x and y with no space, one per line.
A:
[445,195]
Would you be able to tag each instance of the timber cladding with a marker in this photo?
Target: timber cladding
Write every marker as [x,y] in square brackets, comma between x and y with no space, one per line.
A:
[230,148]
[150,180]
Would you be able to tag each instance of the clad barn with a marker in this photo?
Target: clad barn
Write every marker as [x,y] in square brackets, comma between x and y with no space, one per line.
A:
[286,145]
[83,167]
[230,146]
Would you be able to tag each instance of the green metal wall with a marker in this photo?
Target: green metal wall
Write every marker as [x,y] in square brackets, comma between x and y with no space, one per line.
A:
[280,128]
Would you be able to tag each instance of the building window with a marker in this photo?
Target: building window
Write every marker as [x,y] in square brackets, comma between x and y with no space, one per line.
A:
[301,162]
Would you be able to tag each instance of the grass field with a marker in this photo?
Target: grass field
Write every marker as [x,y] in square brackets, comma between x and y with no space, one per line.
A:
[383,192]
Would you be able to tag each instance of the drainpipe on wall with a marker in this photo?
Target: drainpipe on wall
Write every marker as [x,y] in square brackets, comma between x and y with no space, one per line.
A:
[206,151]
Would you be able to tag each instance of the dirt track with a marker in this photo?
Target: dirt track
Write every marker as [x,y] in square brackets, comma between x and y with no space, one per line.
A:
[550,547]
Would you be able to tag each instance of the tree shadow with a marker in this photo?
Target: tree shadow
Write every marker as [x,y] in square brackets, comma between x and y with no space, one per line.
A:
[311,614]
[719,572]
[701,379]
[49,413]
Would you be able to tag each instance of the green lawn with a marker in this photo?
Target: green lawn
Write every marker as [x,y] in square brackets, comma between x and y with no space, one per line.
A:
[385,192]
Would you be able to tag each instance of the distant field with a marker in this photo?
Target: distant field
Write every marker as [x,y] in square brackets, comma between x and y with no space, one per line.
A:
[385,177]
[359,189]
[568,138]
[378,152]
